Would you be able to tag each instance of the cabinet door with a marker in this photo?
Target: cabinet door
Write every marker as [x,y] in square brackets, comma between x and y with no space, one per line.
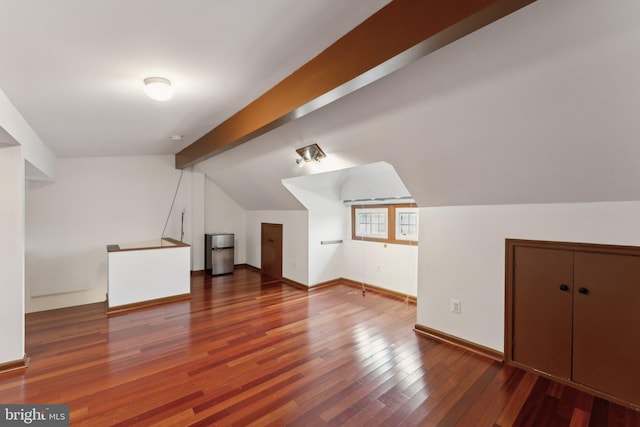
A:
[606,346]
[542,307]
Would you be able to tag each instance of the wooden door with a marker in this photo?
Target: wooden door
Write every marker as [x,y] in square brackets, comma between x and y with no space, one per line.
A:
[542,301]
[271,250]
[606,340]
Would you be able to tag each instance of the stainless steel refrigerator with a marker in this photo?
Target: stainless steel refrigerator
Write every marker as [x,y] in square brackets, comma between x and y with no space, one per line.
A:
[218,253]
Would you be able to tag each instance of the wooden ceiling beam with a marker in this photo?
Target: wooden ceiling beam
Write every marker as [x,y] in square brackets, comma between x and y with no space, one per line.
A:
[393,37]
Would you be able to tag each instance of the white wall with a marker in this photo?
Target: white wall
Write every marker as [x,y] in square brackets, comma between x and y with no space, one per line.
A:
[95,202]
[295,255]
[306,261]
[463,257]
[393,267]
[224,215]
[12,254]
[386,265]
[326,261]
[326,223]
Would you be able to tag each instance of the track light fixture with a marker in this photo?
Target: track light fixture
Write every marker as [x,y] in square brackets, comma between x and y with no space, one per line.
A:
[309,153]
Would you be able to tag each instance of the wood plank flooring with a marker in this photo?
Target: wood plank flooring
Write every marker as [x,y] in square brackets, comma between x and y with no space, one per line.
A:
[250,351]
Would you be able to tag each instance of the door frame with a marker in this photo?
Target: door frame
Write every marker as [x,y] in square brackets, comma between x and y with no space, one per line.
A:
[279,244]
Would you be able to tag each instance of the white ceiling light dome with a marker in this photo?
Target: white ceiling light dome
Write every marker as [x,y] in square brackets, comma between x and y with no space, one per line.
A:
[158,88]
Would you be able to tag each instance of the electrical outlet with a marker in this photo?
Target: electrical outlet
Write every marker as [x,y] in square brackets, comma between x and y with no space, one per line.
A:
[456,306]
[379,269]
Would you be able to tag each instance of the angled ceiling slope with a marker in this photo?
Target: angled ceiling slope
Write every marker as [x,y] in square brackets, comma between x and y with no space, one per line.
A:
[372,182]
[395,36]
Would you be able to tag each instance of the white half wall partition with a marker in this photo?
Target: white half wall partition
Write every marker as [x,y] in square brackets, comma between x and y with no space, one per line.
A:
[464,257]
[147,273]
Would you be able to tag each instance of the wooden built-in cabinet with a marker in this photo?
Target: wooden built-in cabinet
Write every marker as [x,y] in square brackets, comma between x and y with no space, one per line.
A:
[573,314]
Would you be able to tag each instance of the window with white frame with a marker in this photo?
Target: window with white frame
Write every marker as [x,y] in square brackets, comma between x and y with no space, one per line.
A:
[371,223]
[406,224]
[385,223]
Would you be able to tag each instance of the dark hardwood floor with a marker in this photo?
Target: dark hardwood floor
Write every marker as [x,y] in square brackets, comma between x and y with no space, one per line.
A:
[247,350]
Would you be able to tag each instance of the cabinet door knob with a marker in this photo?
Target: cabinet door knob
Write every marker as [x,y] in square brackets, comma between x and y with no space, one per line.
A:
[583,291]
[564,287]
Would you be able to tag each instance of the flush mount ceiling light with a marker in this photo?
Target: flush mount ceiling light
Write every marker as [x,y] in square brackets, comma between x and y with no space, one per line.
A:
[309,153]
[158,88]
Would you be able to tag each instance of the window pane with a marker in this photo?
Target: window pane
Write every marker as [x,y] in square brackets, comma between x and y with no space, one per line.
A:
[406,224]
[371,222]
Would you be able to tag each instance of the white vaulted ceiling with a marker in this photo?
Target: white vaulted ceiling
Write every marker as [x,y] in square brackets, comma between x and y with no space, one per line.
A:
[74,68]
[541,106]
